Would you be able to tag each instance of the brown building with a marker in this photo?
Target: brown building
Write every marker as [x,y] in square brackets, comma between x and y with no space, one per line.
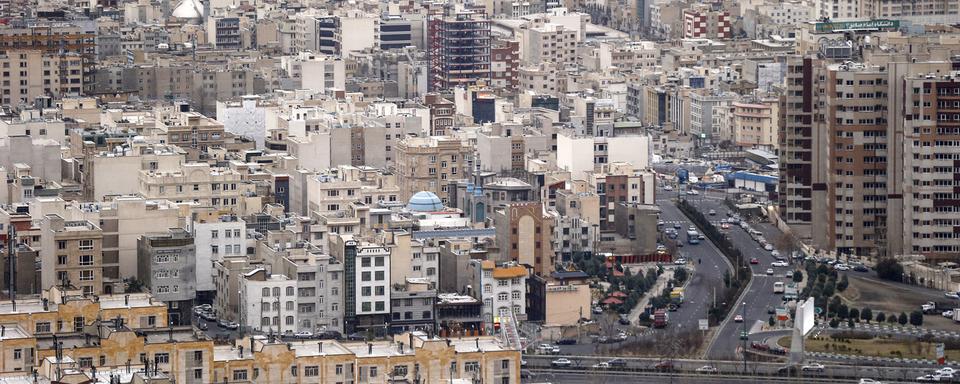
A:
[60,39]
[505,64]
[71,254]
[441,114]
[525,234]
[430,164]
[27,74]
[194,132]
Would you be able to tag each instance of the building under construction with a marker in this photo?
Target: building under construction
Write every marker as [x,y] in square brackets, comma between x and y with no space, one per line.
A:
[459,50]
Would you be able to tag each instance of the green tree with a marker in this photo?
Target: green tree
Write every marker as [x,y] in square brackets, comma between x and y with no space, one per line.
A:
[771,321]
[843,284]
[889,269]
[866,314]
[916,318]
[797,276]
[892,319]
[843,312]
[680,275]
[854,314]
[902,319]
[850,322]
[881,317]
[834,305]
[834,323]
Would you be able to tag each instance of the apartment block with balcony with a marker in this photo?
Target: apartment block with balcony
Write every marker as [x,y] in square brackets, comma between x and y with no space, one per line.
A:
[71,254]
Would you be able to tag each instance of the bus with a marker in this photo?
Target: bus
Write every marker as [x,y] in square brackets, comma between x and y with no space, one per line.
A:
[693,237]
[778,287]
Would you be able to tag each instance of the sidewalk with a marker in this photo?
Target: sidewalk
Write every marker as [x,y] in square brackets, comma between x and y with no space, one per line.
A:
[661,283]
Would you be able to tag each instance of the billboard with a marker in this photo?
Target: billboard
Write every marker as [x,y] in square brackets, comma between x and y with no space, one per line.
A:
[805,317]
[862,25]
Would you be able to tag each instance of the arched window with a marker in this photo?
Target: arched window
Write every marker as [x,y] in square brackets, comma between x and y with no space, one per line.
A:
[266,292]
[289,291]
[289,320]
[265,321]
[289,305]
[276,291]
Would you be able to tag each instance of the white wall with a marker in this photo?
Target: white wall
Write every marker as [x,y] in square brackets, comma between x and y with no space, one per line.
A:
[230,241]
[575,155]
[247,120]
[631,149]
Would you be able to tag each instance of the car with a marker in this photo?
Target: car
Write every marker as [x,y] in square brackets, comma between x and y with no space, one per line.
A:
[677,226]
[667,188]
[948,313]
[869,381]
[841,267]
[789,274]
[771,310]
[775,253]
[789,370]
[222,323]
[744,335]
[202,326]
[601,365]
[951,295]
[947,371]
[724,225]
[693,192]
[700,237]
[597,310]
[624,321]
[561,363]
[692,229]
[707,369]
[208,316]
[928,378]
[768,247]
[769,271]
[618,363]
[232,325]
[665,365]
[945,376]
[738,318]
[862,268]
[779,263]
[754,260]
[712,212]
[680,261]
[744,225]
[660,222]
[813,367]
[303,335]
[566,341]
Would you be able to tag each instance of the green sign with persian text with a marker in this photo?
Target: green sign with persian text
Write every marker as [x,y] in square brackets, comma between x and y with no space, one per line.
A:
[867,25]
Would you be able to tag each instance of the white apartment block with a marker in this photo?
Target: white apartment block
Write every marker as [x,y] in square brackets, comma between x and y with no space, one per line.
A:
[502,290]
[372,280]
[216,237]
[268,302]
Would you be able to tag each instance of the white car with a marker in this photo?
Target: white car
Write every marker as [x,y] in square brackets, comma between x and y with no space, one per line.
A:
[779,264]
[770,271]
[928,378]
[768,247]
[601,365]
[738,319]
[951,295]
[869,381]
[303,335]
[667,188]
[693,192]
[813,367]
[707,369]
[680,261]
[561,363]
[946,371]
[841,267]
[775,253]
[948,314]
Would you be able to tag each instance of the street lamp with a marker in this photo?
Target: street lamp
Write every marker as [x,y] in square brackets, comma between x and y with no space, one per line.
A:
[743,337]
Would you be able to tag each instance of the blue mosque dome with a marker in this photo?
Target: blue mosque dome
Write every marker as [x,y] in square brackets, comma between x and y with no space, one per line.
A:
[425,201]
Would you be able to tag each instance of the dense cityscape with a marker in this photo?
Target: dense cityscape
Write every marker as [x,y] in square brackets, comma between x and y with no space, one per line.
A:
[476,192]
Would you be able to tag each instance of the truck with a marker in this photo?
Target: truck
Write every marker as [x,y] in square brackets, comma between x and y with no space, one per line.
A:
[778,287]
[929,307]
[660,318]
[676,296]
[693,237]
[790,292]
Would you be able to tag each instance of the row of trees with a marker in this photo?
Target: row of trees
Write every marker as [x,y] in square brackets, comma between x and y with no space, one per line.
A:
[850,316]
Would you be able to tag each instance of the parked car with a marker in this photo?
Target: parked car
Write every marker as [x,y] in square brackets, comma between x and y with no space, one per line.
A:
[779,264]
[617,363]
[869,381]
[561,363]
[789,274]
[947,371]
[754,260]
[928,378]
[677,226]
[303,335]
[788,370]
[601,365]
[725,225]
[707,369]
[768,247]
[712,212]
[566,341]
[738,318]
[208,316]
[861,268]
[948,313]
[665,365]
[951,295]
[813,367]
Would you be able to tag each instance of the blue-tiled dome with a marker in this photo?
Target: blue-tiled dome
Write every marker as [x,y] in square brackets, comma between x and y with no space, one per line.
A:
[425,201]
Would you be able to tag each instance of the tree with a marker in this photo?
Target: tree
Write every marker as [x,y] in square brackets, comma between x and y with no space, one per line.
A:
[902,319]
[892,319]
[680,275]
[850,323]
[834,323]
[726,278]
[890,269]
[866,314]
[834,305]
[786,242]
[854,314]
[916,318]
[771,321]
[843,284]
[881,317]
[134,285]
[843,312]
[797,276]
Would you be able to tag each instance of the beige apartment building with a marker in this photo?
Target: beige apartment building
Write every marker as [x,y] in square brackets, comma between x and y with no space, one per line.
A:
[71,254]
[193,132]
[755,125]
[201,184]
[551,43]
[28,74]
[430,164]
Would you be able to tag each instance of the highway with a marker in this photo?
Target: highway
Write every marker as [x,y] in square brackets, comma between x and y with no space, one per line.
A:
[641,370]
[759,296]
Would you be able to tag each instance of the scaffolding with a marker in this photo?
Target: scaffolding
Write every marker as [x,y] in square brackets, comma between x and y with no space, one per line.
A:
[459,51]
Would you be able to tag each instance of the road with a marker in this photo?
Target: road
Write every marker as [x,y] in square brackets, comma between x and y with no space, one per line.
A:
[705,283]
[759,297]
[643,370]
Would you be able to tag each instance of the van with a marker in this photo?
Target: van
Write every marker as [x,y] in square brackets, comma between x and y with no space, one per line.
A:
[778,287]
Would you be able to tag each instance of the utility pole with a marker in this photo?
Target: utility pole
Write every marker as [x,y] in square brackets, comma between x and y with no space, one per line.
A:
[743,338]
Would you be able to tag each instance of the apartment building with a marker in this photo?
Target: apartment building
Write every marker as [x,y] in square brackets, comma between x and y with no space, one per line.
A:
[922,11]
[116,172]
[30,74]
[201,184]
[756,124]
[333,191]
[413,306]
[430,164]
[525,236]
[550,43]
[221,236]
[268,302]
[167,266]
[366,283]
[501,288]
[193,132]
[319,282]
[505,56]
[71,254]
[701,22]
[459,47]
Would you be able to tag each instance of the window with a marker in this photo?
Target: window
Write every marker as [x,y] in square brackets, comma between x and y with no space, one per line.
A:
[86,245]
[502,296]
[86,275]
[400,370]
[215,249]
[86,362]
[289,291]
[339,369]
[311,371]
[198,373]
[293,370]
[379,276]
[365,276]
[161,358]
[239,374]
[17,354]
[86,260]
[373,371]
[378,262]
[214,234]
[61,259]
[78,324]
[42,327]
